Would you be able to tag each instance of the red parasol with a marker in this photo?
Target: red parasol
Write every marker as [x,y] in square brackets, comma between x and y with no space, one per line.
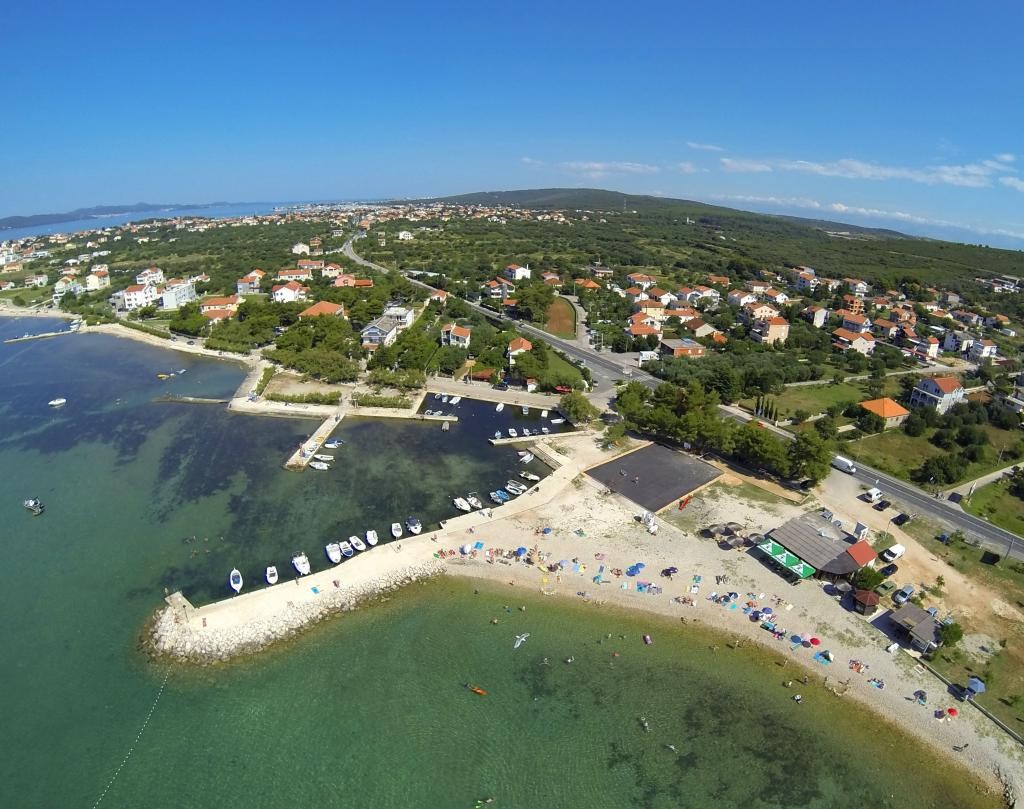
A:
[952,712]
[815,642]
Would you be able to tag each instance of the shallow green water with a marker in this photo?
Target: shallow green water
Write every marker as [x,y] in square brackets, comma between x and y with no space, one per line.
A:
[369,709]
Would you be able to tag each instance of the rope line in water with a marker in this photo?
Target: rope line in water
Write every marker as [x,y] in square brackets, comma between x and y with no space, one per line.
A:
[135,744]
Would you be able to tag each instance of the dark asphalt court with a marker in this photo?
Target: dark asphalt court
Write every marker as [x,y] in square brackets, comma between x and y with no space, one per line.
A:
[664,475]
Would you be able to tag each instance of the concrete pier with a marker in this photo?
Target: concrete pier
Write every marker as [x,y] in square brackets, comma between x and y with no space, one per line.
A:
[300,459]
[41,336]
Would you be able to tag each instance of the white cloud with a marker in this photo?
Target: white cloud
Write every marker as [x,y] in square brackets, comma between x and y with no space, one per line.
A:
[1013,182]
[1006,157]
[968,175]
[744,166]
[792,202]
[529,161]
[686,167]
[704,147]
[595,170]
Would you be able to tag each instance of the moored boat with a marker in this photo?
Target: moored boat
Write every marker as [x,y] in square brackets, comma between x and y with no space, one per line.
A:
[515,486]
[503,496]
[301,563]
[500,407]
[235,580]
[396,529]
[323,457]
[371,537]
[460,504]
[497,433]
[529,476]
[558,421]
[346,549]
[545,430]
[437,395]
[512,432]
[455,400]
[320,466]
[495,499]
[57,402]
[357,543]
[526,431]
[414,525]
[334,443]
[444,398]
[474,500]
[543,414]
[34,505]
[271,574]
[526,410]
[526,458]
[446,426]
[333,550]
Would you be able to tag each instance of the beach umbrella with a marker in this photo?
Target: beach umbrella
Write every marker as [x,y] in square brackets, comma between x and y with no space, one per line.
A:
[953,712]
[465,548]
[827,655]
[733,527]
[547,530]
[520,551]
[767,610]
[639,565]
[815,642]
[716,529]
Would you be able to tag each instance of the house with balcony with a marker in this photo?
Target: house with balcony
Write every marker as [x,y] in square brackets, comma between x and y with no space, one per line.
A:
[845,340]
[97,280]
[294,274]
[176,293]
[289,293]
[817,316]
[513,272]
[138,296]
[983,349]
[940,392]
[152,275]
[771,331]
[249,283]
[454,335]
[380,332]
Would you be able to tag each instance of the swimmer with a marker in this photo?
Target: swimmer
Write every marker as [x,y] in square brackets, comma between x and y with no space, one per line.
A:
[545,662]
[569,659]
[671,747]
[797,699]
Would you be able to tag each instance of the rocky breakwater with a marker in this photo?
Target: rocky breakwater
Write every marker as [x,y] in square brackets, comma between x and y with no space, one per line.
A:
[211,634]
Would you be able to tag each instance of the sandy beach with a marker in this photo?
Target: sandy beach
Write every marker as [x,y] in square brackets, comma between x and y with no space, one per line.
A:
[598,533]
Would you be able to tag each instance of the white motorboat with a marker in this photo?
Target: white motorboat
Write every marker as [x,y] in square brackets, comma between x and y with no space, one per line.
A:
[271,574]
[445,398]
[346,549]
[558,421]
[474,500]
[333,552]
[320,466]
[497,433]
[235,580]
[545,430]
[526,458]
[35,505]
[529,476]
[455,400]
[334,443]
[496,498]
[526,410]
[500,407]
[357,543]
[57,402]
[324,458]
[428,412]
[514,486]
[512,432]
[446,426]
[461,504]
[543,414]
[526,431]
[396,529]
[301,563]
[371,537]
[437,395]
[414,525]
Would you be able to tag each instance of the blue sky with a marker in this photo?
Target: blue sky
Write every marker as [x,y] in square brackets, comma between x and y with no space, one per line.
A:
[901,115]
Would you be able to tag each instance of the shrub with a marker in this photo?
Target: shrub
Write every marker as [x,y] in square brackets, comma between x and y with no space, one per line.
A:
[373,400]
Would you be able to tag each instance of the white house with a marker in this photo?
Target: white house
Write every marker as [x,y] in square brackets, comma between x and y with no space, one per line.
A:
[37,280]
[516,347]
[153,275]
[177,293]
[289,293]
[940,392]
[96,280]
[250,282]
[137,296]
[404,317]
[454,335]
[513,272]
[380,332]
[404,236]
[741,297]
[981,349]
[300,248]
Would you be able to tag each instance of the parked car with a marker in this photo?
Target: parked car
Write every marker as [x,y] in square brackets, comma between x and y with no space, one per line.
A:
[901,519]
[191,342]
[902,596]
[885,588]
[501,386]
[881,505]
[893,553]
[889,570]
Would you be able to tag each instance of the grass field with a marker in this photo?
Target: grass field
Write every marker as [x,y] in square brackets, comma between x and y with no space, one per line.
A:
[556,363]
[995,504]
[818,398]
[561,319]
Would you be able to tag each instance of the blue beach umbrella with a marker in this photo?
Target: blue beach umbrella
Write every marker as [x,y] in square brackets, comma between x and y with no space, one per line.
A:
[520,551]
[976,686]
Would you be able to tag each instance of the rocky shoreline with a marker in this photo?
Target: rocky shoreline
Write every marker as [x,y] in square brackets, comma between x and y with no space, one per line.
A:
[178,633]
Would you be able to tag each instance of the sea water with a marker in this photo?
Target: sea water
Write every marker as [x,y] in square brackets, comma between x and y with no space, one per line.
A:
[369,709]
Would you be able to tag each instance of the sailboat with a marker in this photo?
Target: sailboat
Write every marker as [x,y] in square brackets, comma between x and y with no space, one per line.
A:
[235,580]
[271,575]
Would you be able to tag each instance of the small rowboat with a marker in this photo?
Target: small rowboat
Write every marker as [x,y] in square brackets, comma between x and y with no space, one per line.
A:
[271,575]
[235,580]
[476,690]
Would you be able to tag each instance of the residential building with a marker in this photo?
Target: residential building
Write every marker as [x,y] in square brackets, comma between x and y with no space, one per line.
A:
[347,280]
[230,303]
[661,295]
[940,392]
[681,348]
[455,335]
[401,314]
[817,316]
[176,293]
[586,283]
[967,318]
[404,236]
[701,329]
[753,312]
[513,272]
[776,297]
[846,340]
[889,410]
[958,341]
[137,296]
[982,349]
[758,287]
[217,315]
[152,275]
[380,332]
[885,329]
[740,297]
[551,279]
[322,309]
[807,282]
[331,270]
[249,283]
[499,288]
[289,293]
[96,280]
[310,265]
[516,347]
[853,304]
[635,294]
[919,627]
[771,331]
[297,274]
[855,323]
[719,280]
[642,280]
[707,296]
[299,249]
[438,296]
[599,271]
[857,287]
[37,280]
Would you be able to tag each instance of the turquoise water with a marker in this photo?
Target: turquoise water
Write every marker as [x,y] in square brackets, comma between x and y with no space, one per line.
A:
[369,709]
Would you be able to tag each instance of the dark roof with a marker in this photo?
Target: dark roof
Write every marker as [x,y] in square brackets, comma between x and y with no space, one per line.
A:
[818,542]
[866,597]
[919,623]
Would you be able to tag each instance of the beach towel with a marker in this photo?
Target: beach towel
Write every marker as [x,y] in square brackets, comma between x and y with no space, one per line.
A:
[316,590]
[478,546]
[576,568]
[599,557]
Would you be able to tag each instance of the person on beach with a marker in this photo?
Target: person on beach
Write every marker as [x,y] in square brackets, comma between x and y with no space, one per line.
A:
[798,699]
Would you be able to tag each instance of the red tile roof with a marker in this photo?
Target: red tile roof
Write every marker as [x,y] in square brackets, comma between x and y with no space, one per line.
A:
[862,553]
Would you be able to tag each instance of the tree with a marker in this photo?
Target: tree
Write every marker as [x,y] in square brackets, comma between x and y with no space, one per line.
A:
[914,425]
[951,634]
[809,457]
[867,578]
[576,408]
[870,422]
[826,427]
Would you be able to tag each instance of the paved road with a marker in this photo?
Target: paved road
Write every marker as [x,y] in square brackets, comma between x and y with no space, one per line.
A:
[606,370]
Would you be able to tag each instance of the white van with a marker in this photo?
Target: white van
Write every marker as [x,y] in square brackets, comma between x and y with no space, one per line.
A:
[893,553]
[844,465]
[873,495]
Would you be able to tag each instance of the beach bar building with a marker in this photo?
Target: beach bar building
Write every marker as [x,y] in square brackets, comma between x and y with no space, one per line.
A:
[811,545]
